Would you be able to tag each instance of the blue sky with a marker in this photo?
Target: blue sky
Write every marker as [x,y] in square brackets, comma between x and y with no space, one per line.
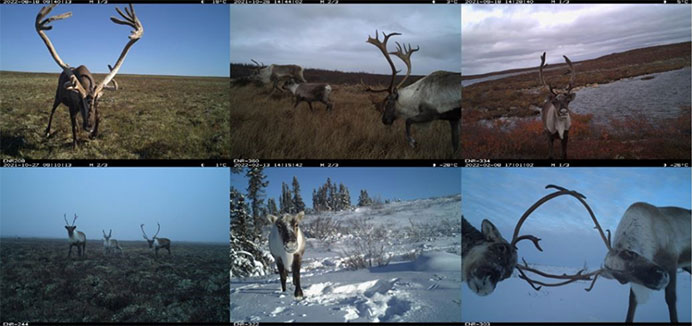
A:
[502,195]
[188,40]
[190,203]
[389,183]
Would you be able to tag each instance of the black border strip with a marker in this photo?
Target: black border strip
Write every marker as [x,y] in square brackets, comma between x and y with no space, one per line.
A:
[441,163]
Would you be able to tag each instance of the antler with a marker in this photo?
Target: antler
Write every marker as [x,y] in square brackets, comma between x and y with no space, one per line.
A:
[157,230]
[114,87]
[258,64]
[382,45]
[572,74]
[570,278]
[405,56]
[141,226]
[540,75]
[64,216]
[75,218]
[130,19]
[42,25]
[110,231]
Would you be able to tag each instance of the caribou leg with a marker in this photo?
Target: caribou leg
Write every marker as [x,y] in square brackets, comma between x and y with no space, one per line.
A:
[282,274]
[564,144]
[632,307]
[95,132]
[551,138]
[73,118]
[454,124]
[70,253]
[671,297]
[50,120]
[296,276]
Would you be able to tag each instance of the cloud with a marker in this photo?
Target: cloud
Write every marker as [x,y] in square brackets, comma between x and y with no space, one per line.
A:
[508,36]
[334,38]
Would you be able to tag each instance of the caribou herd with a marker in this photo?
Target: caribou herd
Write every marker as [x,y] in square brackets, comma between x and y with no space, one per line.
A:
[110,246]
[436,96]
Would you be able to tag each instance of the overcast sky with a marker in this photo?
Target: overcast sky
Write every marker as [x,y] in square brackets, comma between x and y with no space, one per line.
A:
[190,203]
[503,195]
[501,37]
[178,39]
[334,37]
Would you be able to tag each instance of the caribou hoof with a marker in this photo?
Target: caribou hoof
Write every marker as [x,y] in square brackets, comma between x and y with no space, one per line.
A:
[412,142]
[298,294]
[47,134]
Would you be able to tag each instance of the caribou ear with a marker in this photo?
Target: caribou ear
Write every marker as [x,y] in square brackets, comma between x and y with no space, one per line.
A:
[299,216]
[570,96]
[272,218]
[490,231]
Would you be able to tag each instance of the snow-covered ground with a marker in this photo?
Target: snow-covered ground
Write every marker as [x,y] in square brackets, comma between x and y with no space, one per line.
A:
[515,301]
[420,287]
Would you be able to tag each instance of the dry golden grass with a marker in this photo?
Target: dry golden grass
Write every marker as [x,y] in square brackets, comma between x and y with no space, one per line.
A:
[270,128]
[150,117]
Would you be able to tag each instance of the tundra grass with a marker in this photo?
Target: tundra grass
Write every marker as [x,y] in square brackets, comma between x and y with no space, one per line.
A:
[268,127]
[149,117]
[38,283]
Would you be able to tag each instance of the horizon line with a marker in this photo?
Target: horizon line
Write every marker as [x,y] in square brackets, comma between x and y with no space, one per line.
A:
[123,74]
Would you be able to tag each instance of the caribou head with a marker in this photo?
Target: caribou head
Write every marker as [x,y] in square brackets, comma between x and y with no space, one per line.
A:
[487,257]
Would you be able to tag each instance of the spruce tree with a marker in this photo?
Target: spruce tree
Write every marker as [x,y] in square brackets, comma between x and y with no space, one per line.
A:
[298,204]
[255,193]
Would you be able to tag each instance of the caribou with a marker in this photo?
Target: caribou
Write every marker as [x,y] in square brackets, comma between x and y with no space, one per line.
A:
[555,112]
[436,96]
[77,88]
[287,245]
[156,242]
[110,245]
[488,258]
[649,245]
[276,74]
[76,239]
[309,92]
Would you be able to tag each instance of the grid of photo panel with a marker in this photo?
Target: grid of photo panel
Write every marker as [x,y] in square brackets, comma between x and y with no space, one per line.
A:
[328,162]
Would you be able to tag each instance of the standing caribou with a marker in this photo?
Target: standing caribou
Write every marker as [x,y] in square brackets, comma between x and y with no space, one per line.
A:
[77,239]
[76,86]
[287,245]
[277,73]
[555,111]
[436,96]
[110,245]
[309,92]
[650,244]
[157,242]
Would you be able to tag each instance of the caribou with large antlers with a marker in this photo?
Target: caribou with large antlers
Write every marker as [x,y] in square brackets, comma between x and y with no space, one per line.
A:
[77,239]
[436,96]
[156,242]
[650,244]
[488,258]
[77,88]
[555,111]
